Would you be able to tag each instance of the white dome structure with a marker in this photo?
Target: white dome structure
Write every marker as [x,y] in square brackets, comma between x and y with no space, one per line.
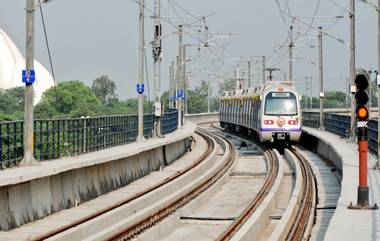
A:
[11,65]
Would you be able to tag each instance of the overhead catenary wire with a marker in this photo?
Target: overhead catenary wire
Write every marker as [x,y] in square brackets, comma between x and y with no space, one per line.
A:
[47,41]
[313,19]
[282,15]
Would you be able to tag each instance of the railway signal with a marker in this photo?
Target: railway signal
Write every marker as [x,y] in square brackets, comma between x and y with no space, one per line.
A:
[362,114]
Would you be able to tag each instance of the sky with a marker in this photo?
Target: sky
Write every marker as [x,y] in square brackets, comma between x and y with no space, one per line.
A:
[90,38]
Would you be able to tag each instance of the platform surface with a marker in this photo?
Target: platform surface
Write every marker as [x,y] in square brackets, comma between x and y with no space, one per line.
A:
[53,222]
[347,224]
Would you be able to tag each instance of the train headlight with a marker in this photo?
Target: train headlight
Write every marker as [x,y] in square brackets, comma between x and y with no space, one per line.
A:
[268,122]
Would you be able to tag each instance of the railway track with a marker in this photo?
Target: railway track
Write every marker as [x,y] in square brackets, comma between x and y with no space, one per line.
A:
[60,234]
[304,219]
[301,219]
[152,219]
[303,213]
[247,213]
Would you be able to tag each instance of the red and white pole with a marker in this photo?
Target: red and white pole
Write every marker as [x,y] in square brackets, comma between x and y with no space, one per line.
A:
[363,190]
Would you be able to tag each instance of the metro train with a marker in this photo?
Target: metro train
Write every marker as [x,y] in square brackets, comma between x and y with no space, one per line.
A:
[271,113]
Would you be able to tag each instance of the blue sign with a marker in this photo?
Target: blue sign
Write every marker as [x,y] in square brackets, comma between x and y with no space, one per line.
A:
[140,88]
[28,77]
[179,93]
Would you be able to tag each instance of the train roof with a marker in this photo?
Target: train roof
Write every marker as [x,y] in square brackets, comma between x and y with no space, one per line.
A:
[253,91]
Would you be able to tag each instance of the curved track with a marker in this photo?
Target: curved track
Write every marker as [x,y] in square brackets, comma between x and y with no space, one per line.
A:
[207,153]
[180,202]
[302,225]
[247,213]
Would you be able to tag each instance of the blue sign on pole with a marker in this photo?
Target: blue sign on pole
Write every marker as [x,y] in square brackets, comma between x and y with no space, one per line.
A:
[28,77]
[140,88]
[179,93]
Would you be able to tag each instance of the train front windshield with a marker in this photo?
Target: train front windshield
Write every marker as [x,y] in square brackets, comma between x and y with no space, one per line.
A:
[281,103]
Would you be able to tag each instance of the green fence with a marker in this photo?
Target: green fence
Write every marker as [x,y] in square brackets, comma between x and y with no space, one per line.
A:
[67,137]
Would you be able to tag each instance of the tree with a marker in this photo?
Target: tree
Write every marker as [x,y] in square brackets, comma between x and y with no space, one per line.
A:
[105,89]
[335,99]
[68,99]
[12,104]
[227,85]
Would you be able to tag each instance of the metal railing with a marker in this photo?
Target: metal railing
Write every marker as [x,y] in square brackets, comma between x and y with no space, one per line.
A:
[169,122]
[340,125]
[66,137]
[11,142]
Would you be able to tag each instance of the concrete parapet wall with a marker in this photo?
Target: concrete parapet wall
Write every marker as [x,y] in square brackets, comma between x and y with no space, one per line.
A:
[347,224]
[203,117]
[35,198]
[322,148]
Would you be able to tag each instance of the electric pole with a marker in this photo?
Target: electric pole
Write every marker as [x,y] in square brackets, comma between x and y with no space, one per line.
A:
[237,78]
[378,86]
[291,54]
[179,80]
[264,70]
[184,80]
[249,74]
[321,92]
[306,93]
[176,90]
[157,55]
[171,86]
[311,92]
[29,66]
[370,93]
[352,67]
[209,94]
[140,84]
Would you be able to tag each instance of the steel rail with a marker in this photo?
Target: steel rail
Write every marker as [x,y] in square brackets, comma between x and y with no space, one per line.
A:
[306,212]
[256,202]
[94,215]
[136,229]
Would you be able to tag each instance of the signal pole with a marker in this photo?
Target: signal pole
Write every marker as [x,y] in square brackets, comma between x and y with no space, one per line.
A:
[140,84]
[291,54]
[29,65]
[362,114]
[352,66]
[157,54]
[321,92]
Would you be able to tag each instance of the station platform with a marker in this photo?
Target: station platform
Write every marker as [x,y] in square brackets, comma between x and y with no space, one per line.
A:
[29,193]
[64,218]
[347,224]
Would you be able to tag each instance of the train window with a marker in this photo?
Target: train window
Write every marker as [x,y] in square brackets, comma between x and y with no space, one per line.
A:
[284,103]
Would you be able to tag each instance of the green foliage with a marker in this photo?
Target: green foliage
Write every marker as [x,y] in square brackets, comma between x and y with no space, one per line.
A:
[105,89]
[68,99]
[333,99]
[12,104]
[227,85]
